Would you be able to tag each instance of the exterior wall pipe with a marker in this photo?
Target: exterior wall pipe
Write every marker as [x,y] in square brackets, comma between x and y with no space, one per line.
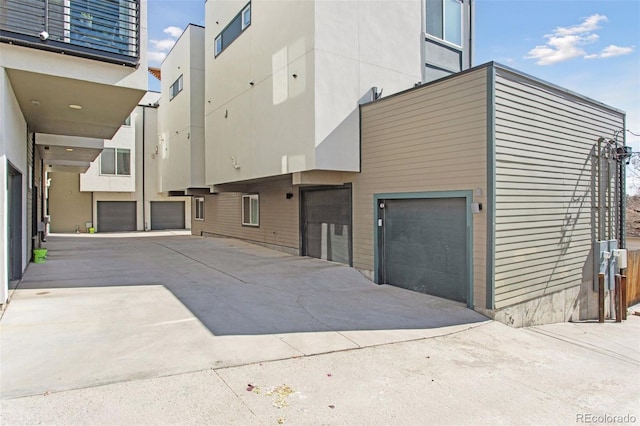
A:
[608,193]
[601,298]
[598,188]
[623,194]
[144,159]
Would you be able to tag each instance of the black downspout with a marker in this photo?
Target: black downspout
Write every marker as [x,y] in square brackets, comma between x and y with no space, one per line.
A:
[34,196]
[33,161]
[623,196]
[144,204]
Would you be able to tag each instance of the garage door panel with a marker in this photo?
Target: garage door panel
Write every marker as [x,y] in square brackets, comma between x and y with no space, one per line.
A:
[116,216]
[415,230]
[329,214]
[424,246]
[326,220]
[314,240]
[415,255]
[167,215]
[425,281]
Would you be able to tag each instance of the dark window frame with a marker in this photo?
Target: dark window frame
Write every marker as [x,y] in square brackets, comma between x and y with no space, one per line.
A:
[179,83]
[238,19]
[115,162]
[199,208]
[440,33]
[249,222]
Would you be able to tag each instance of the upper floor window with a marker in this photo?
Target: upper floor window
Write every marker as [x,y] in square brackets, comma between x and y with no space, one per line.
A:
[246,16]
[100,29]
[444,20]
[115,161]
[176,87]
[238,24]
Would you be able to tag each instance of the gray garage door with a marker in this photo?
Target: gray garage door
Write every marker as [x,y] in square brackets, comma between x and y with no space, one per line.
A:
[423,246]
[167,215]
[116,216]
[326,224]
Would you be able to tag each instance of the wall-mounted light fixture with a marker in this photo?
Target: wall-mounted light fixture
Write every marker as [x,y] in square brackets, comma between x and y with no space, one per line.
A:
[289,195]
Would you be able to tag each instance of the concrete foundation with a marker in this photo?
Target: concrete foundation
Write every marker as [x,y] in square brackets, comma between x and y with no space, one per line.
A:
[578,303]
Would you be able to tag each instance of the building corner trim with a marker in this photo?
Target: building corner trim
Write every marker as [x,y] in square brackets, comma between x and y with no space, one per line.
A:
[491,186]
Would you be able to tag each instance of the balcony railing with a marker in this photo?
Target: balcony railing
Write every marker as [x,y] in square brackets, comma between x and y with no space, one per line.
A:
[100,29]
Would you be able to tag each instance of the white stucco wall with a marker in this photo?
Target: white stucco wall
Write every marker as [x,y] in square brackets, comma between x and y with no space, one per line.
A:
[359,45]
[266,128]
[150,184]
[301,113]
[181,131]
[141,137]
[93,181]
[13,149]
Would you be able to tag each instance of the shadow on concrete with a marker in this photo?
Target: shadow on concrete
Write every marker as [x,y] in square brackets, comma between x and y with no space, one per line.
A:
[237,288]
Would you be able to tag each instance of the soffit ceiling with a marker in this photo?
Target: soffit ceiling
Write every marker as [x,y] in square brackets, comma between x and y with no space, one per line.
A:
[45,99]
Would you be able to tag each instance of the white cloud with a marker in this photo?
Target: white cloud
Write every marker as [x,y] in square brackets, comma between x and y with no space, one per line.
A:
[158,49]
[156,56]
[588,25]
[613,50]
[162,45]
[174,32]
[567,43]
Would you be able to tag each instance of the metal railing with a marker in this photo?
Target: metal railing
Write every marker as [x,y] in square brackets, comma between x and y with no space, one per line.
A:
[100,29]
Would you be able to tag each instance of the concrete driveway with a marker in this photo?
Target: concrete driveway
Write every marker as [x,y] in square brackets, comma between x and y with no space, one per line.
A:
[116,307]
[160,329]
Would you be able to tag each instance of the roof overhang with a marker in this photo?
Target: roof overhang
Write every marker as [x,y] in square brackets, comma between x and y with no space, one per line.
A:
[71,154]
[65,106]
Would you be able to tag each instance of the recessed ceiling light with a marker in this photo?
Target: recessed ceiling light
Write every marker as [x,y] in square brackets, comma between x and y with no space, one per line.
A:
[75,106]
[69,149]
[35,102]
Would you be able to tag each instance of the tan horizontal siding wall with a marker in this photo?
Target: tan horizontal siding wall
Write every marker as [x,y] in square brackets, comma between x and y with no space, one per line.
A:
[279,223]
[429,139]
[544,225]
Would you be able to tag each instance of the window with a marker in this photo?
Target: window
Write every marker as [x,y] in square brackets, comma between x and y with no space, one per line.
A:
[251,210]
[105,25]
[444,20]
[232,31]
[246,16]
[199,208]
[176,87]
[115,161]
[218,44]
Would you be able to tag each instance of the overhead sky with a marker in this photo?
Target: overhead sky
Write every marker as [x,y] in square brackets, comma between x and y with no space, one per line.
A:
[591,47]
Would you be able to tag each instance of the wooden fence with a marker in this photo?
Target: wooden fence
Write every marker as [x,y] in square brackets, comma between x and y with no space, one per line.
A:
[633,277]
